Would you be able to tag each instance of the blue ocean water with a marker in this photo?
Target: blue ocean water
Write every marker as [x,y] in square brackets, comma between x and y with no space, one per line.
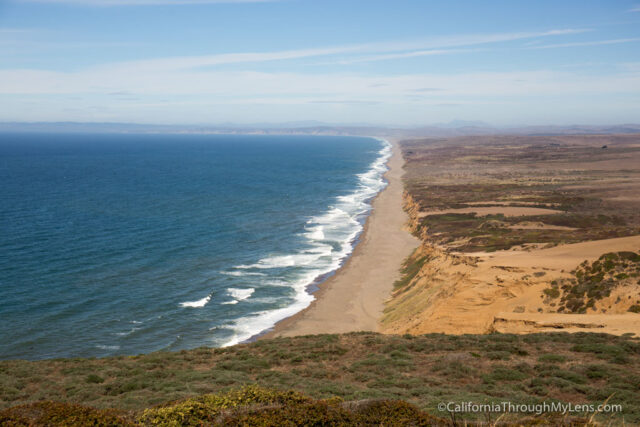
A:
[126,244]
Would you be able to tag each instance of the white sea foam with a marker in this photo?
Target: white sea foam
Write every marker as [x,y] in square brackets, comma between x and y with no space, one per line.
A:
[242,273]
[315,233]
[238,295]
[108,347]
[265,300]
[330,238]
[196,304]
[249,326]
[320,249]
[281,261]
[129,332]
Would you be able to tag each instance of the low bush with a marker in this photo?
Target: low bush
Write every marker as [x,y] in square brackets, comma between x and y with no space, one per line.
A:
[421,370]
[552,358]
[206,408]
[49,413]
[595,281]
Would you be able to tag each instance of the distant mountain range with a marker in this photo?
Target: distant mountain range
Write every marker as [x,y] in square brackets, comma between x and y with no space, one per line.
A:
[453,128]
[461,124]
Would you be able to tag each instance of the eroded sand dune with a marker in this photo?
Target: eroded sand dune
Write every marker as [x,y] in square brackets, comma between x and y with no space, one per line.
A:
[464,293]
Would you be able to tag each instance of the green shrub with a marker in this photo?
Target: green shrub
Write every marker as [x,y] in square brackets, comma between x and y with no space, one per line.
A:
[320,413]
[629,256]
[499,355]
[597,371]
[256,406]
[506,374]
[552,358]
[94,379]
[594,281]
[204,409]
[49,413]
[410,269]
[552,292]
[421,370]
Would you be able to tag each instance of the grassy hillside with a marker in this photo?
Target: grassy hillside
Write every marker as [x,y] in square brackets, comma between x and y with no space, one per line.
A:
[420,370]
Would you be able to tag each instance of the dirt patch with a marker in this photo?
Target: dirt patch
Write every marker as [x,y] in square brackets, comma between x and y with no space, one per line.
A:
[520,323]
[493,210]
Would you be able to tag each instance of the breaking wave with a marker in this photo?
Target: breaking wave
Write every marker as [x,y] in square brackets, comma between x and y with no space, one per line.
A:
[329,239]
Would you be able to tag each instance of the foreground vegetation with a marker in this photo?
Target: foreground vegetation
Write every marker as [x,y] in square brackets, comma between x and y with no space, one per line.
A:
[422,371]
[250,405]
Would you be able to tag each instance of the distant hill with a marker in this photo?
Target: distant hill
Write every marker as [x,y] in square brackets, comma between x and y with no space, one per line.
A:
[462,124]
[453,128]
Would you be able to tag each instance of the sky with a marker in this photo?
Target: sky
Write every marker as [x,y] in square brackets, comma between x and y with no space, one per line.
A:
[379,62]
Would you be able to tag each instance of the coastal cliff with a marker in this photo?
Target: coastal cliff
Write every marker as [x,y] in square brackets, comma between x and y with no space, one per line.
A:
[412,208]
[431,275]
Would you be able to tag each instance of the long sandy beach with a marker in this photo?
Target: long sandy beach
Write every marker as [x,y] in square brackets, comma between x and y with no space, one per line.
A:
[353,298]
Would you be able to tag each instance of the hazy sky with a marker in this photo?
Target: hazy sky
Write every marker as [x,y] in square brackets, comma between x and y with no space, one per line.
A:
[376,61]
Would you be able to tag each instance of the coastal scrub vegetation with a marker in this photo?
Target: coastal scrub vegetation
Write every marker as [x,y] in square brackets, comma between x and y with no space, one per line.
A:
[410,268]
[592,282]
[495,232]
[585,191]
[253,405]
[331,377]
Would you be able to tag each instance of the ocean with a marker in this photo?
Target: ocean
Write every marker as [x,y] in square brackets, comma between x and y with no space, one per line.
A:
[131,243]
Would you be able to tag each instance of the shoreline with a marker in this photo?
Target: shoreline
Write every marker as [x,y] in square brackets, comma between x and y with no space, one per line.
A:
[352,299]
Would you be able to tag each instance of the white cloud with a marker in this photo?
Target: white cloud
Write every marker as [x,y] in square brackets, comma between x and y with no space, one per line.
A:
[240,85]
[192,89]
[182,76]
[187,62]
[382,51]
[468,40]
[402,55]
[589,43]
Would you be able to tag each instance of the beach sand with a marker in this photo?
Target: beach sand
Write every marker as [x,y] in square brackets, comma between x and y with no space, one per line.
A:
[353,298]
